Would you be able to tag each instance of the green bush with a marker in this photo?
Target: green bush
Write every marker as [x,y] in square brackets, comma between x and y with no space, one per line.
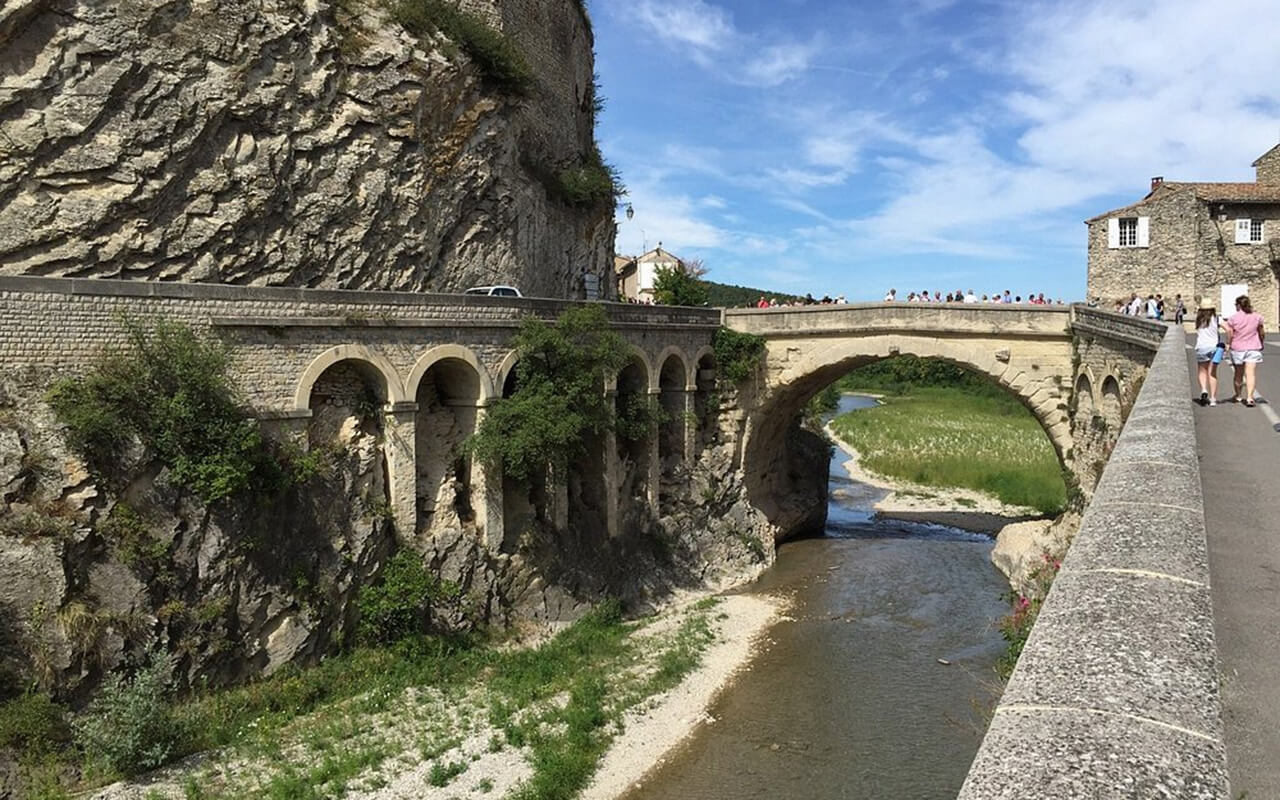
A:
[737,354]
[169,389]
[588,183]
[560,401]
[129,727]
[497,57]
[638,415]
[33,722]
[399,604]
[676,286]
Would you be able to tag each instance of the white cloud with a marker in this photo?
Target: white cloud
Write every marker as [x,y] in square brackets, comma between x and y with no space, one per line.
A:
[707,34]
[687,23]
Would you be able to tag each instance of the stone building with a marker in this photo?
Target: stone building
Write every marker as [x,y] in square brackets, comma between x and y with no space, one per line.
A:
[636,275]
[1195,239]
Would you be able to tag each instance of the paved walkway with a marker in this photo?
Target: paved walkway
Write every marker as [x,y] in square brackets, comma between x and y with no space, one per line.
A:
[1240,472]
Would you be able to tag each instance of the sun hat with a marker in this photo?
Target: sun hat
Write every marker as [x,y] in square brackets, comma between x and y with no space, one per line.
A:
[1206,303]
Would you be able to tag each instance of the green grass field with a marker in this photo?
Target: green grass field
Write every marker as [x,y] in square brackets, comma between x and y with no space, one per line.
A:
[958,437]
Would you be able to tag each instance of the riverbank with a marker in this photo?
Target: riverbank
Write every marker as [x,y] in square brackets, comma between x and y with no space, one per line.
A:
[971,449]
[954,507]
[526,723]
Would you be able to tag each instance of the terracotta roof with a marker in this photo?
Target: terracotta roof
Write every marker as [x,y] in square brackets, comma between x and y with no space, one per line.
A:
[1209,193]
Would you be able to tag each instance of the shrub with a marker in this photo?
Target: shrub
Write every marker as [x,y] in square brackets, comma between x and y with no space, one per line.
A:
[1016,626]
[399,604]
[638,415]
[495,55]
[737,354]
[33,722]
[169,389]
[129,727]
[560,400]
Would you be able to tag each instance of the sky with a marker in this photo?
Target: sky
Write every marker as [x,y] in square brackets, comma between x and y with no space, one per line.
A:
[850,147]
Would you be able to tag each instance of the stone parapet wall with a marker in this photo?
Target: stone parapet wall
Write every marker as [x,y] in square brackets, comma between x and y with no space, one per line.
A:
[1116,693]
[64,325]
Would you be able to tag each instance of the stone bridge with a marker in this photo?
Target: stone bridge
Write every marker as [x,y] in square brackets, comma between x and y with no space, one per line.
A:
[1076,369]
[430,362]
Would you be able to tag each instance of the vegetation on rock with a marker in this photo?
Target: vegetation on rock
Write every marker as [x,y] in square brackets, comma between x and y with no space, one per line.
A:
[170,389]
[496,55]
[399,604]
[738,355]
[1016,626]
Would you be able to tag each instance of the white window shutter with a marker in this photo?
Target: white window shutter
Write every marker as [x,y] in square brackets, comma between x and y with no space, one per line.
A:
[1242,231]
[1144,231]
[1113,233]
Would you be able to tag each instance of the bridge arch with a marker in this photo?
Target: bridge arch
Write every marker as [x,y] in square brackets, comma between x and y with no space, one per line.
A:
[454,352]
[796,374]
[367,362]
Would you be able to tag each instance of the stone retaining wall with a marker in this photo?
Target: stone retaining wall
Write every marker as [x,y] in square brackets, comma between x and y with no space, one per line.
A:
[1116,693]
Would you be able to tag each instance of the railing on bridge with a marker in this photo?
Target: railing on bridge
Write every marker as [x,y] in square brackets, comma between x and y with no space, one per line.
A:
[873,318]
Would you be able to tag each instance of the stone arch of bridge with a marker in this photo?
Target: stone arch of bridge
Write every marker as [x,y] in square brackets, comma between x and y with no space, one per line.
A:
[454,352]
[793,383]
[362,358]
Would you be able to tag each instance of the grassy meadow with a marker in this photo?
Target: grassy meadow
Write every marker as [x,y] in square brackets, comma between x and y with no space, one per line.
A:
[970,435]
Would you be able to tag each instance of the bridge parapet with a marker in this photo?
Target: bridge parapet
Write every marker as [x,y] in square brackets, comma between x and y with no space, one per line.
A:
[928,318]
[1116,692]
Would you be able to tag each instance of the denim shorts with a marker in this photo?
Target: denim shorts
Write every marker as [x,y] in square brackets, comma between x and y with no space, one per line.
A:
[1205,356]
[1239,357]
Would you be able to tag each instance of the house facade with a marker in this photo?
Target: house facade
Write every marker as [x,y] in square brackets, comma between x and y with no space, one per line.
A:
[637,275]
[1195,239]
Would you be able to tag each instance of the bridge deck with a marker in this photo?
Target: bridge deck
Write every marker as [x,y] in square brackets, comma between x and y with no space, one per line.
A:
[1238,469]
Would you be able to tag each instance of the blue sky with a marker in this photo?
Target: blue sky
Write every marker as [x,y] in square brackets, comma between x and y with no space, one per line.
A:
[846,147]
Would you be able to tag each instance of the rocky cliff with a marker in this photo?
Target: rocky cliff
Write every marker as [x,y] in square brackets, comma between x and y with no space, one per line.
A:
[311,143]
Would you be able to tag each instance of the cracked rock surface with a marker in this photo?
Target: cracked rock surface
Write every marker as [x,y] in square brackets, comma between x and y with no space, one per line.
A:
[283,142]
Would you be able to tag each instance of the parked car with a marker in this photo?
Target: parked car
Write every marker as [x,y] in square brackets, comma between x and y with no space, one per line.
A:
[495,291]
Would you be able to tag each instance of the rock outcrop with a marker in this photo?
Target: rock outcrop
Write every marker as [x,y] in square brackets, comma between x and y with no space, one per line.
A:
[282,142]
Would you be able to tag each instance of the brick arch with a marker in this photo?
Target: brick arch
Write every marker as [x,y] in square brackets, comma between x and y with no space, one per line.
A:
[635,355]
[456,352]
[360,354]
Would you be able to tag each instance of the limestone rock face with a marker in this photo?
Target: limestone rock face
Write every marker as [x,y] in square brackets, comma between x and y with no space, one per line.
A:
[1020,547]
[282,142]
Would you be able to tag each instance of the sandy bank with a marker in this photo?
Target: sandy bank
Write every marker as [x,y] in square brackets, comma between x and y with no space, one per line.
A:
[661,723]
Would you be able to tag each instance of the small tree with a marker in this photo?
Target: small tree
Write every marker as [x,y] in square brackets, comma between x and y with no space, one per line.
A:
[681,285]
[560,400]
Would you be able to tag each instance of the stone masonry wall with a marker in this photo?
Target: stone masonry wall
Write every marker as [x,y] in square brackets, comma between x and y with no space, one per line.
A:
[307,144]
[1192,252]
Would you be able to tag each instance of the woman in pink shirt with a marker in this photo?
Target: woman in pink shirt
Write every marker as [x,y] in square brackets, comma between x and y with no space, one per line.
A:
[1245,338]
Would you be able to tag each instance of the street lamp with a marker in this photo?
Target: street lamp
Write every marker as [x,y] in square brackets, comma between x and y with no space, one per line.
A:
[631,212]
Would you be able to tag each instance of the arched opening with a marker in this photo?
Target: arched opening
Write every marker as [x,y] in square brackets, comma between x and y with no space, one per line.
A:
[788,483]
[634,446]
[1084,398]
[347,423]
[672,394]
[704,402]
[448,396]
[1112,409]
[525,503]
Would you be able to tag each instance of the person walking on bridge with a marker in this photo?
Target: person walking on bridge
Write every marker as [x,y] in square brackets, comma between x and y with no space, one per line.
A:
[1246,337]
[1208,351]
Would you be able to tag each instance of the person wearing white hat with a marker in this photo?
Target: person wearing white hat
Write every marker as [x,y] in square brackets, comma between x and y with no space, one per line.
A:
[1209,349]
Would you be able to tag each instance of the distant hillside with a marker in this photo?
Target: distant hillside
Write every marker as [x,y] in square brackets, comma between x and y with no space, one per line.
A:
[726,295]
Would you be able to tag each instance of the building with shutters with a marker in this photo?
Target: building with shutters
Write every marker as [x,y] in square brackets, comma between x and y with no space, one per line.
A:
[1194,239]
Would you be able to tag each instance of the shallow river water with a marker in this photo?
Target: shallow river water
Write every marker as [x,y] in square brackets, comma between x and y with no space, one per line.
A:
[849,699]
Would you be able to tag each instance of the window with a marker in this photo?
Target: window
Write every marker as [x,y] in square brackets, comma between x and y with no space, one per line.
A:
[1129,232]
[1249,231]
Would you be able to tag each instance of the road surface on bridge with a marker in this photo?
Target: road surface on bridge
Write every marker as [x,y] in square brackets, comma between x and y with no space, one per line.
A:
[1240,473]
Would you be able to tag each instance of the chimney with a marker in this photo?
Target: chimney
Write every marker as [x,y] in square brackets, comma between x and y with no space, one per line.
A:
[1156,181]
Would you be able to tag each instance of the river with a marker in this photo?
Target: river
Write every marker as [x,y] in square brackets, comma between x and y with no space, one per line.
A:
[849,699]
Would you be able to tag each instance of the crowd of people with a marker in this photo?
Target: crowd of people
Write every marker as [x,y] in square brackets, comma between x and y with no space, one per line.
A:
[1153,306]
[971,297]
[807,300]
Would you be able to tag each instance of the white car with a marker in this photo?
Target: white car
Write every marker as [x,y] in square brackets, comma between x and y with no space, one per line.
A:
[495,291]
